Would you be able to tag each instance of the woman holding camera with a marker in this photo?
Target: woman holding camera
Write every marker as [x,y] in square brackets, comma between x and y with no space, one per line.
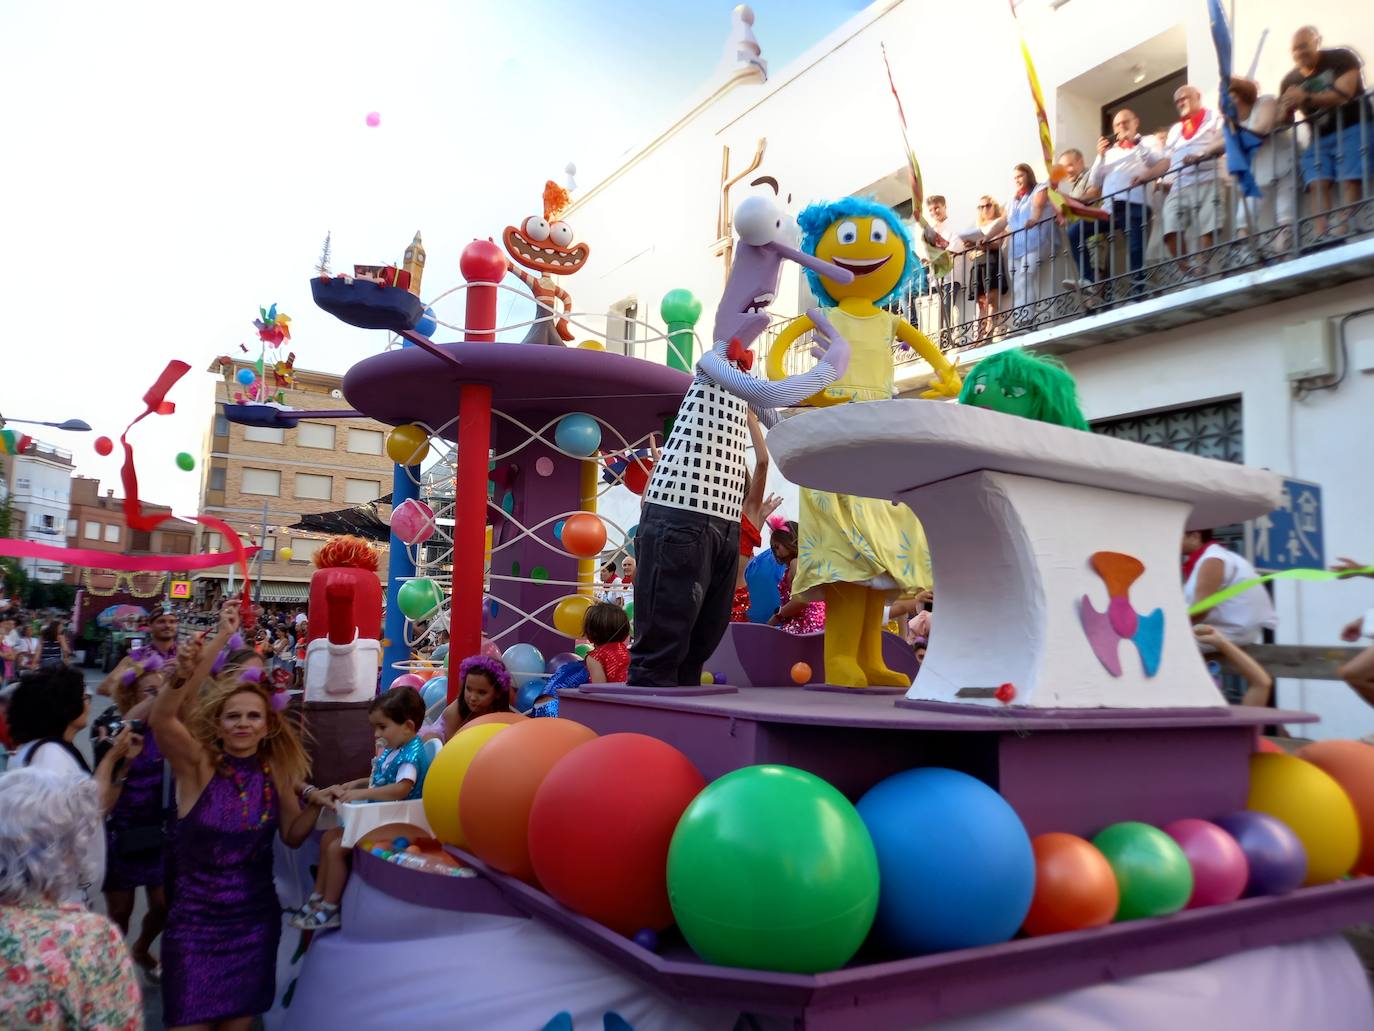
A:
[136,827]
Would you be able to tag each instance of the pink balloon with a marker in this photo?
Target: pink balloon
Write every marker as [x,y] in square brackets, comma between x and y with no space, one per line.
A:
[544,466]
[412,521]
[1220,869]
[408,680]
[490,648]
[373,119]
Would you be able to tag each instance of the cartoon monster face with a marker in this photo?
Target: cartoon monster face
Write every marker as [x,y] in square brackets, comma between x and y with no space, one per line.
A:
[987,391]
[867,247]
[545,247]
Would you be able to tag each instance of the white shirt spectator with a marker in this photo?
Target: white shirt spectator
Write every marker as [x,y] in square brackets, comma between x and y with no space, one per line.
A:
[1207,138]
[954,242]
[1239,619]
[1115,170]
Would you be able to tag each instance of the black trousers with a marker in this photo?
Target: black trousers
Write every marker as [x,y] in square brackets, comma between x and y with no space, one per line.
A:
[684,587]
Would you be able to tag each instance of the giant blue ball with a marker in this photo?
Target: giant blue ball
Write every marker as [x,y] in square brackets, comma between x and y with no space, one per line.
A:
[578,434]
[956,861]
[427,324]
[246,377]
[435,690]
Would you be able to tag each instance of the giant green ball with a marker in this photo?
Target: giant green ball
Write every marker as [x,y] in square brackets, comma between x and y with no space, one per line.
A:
[419,599]
[1152,872]
[771,868]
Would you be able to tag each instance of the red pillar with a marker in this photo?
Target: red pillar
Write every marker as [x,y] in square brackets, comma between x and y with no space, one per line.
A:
[483,266]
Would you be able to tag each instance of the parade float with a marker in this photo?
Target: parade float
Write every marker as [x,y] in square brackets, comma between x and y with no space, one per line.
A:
[1060,818]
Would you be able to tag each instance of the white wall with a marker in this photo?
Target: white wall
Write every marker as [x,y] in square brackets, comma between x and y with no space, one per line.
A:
[1321,438]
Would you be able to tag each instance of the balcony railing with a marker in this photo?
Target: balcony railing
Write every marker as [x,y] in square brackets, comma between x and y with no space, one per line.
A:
[1046,274]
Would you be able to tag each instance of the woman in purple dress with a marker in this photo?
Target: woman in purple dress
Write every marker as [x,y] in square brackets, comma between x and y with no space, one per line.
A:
[238,767]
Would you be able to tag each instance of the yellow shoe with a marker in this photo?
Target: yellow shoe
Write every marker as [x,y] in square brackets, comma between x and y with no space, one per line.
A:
[844,613]
[870,650]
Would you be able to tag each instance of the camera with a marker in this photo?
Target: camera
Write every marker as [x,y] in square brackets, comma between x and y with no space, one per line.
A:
[137,726]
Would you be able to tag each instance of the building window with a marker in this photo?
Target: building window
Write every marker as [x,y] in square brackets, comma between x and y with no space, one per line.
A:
[22,482]
[221,426]
[72,526]
[269,549]
[314,434]
[213,541]
[1210,430]
[265,434]
[92,531]
[319,488]
[111,533]
[365,442]
[360,492]
[303,549]
[216,477]
[262,481]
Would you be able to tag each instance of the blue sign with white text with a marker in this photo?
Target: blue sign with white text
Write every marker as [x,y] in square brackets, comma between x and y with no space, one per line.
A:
[1290,537]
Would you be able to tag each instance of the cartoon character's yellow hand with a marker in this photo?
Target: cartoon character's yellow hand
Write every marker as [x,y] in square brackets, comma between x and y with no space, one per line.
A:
[946,384]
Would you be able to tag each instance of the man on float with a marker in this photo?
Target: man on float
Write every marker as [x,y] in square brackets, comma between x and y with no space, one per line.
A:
[688,542]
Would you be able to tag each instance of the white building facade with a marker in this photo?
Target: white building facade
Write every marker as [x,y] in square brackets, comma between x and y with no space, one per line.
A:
[1268,360]
[40,497]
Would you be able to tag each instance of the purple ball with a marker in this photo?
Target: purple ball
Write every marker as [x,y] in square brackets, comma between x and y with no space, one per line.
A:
[1278,861]
[1220,869]
[719,678]
[646,939]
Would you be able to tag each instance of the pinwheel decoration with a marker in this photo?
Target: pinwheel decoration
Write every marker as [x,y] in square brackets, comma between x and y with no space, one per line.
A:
[272,327]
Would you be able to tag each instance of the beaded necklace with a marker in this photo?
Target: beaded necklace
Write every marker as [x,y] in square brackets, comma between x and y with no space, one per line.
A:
[240,779]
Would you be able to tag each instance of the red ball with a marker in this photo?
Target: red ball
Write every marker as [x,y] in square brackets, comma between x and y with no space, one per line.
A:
[483,261]
[601,824]
[103,445]
[637,474]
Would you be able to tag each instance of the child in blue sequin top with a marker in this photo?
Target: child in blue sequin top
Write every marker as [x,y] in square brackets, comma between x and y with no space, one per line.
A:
[397,774]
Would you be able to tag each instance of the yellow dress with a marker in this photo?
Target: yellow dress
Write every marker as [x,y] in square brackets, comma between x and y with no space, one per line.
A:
[846,539]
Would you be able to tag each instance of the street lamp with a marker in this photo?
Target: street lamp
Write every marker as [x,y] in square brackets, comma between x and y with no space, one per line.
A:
[74,425]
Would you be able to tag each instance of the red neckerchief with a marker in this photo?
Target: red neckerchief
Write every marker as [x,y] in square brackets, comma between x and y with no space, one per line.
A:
[1192,123]
[740,355]
[1021,194]
[1127,144]
[1190,563]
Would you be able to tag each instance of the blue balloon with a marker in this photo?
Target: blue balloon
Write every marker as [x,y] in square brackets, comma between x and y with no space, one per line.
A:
[440,653]
[632,532]
[561,659]
[246,377]
[523,658]
[435,690]
[955,860]
[426,326]
[558,530]
[529,691]
[578,434]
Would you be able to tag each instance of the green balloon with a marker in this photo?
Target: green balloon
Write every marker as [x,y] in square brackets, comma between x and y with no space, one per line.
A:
[419,599]
[771,868]
[1152,873]
[680,306]
[630,611]
[185,462]
[582,650]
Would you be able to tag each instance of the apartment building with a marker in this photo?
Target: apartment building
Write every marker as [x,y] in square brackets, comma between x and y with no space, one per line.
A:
[1257,349]
[40,483]
[255,476]
[95,522]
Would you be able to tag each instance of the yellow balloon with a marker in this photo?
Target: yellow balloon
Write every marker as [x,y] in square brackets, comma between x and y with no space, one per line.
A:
[570,612]
[1311,802]
[285,554]
[444,781]
[408,444]
[592,345]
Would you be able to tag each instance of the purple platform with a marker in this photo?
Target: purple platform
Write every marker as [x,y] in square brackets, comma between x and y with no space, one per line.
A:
[758,655]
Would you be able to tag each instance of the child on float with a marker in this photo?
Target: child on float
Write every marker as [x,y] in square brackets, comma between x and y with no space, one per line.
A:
[397,774]
[754,515]
[486,689]
[608,629]
[797,615]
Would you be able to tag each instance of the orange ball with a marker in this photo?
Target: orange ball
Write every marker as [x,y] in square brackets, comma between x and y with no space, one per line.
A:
[496,717]
[801,673]
[584,534]
[1074,886]
[1263,744]
[498,791]
[1351,765]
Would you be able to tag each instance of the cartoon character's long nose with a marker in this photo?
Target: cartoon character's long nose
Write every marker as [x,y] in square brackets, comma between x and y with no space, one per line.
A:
[815,264]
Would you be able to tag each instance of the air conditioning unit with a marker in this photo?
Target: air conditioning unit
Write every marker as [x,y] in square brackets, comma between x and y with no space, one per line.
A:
[1309,349]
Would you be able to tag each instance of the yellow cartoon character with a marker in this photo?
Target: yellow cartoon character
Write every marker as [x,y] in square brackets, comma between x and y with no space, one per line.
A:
[860,552]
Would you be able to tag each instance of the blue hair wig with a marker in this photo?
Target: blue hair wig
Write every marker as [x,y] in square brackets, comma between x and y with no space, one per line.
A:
[817,218]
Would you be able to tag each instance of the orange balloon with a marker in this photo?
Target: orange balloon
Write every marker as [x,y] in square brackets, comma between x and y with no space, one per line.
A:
[1263,744]
[584,534]
[495,717]
[498,791]
[1074,885]
[1351,765]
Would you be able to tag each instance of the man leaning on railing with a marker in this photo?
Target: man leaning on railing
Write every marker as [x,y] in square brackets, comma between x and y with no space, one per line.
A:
[1193,204]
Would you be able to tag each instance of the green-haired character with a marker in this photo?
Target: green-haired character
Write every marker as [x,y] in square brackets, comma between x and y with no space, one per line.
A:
[1033,386]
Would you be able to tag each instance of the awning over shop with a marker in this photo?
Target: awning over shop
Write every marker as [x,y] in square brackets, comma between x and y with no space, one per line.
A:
[275,591]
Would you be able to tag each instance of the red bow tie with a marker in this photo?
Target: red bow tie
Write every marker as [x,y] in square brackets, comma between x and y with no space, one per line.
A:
[740,354]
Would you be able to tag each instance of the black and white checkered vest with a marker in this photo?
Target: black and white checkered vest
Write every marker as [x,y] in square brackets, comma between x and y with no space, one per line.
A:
[703,462]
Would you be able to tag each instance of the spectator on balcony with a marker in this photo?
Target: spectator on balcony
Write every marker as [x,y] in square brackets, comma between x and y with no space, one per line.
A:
[1271,164]
[1028,213]
[1327,87]
[1123,164]
[937,214]
[1193,204]
[1078,184]
[988,283]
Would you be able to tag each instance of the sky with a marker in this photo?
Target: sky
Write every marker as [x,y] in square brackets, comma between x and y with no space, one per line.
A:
[170,167]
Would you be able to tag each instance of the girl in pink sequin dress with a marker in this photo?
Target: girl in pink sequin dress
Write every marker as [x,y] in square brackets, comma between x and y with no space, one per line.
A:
[801,616]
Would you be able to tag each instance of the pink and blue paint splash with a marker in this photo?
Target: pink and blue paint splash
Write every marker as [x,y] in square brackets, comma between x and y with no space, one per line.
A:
[1121,622]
